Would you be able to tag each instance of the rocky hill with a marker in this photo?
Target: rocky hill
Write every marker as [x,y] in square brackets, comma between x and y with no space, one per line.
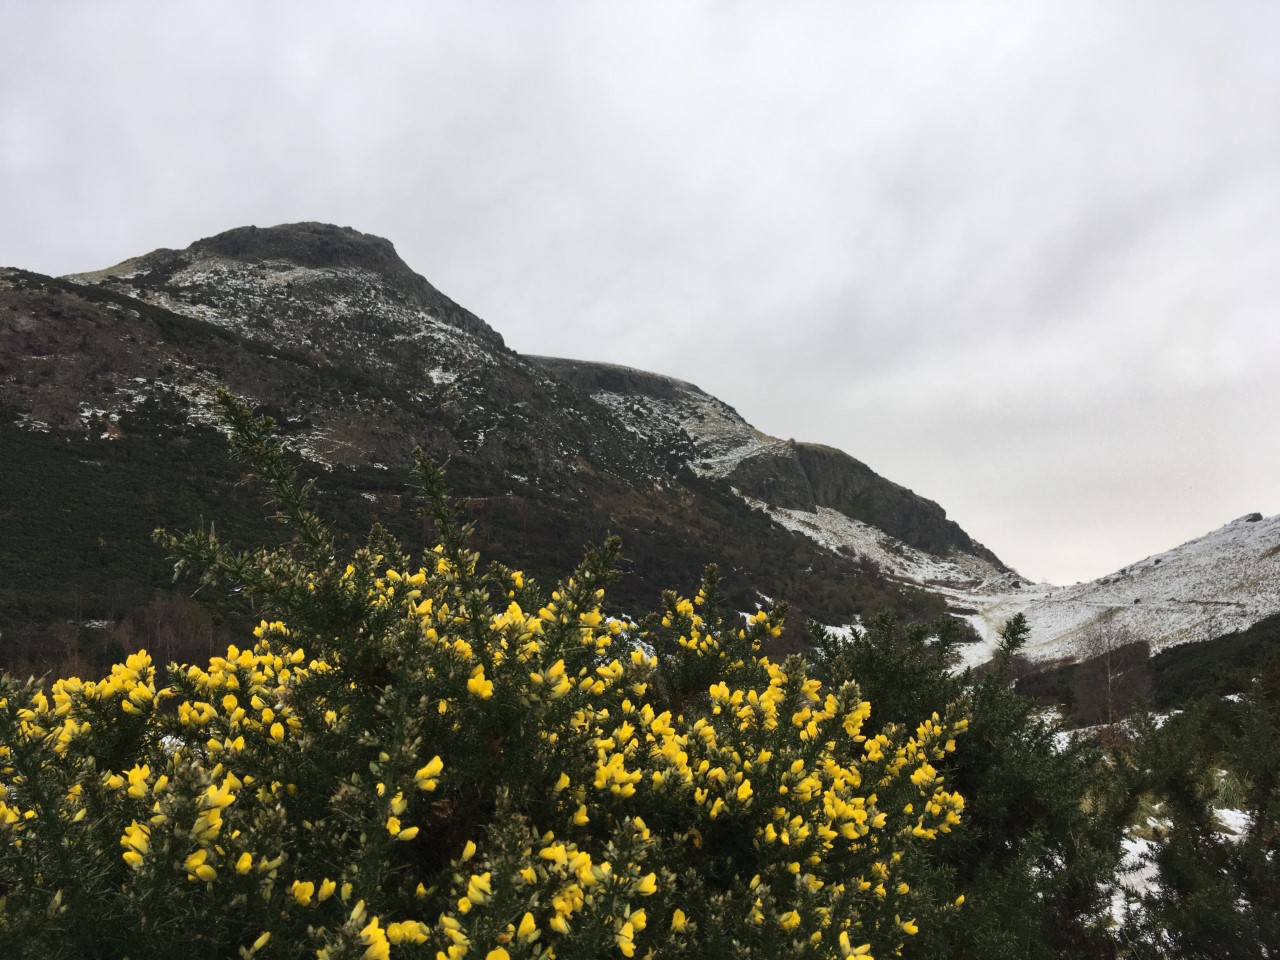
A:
[107,430]
[107,382]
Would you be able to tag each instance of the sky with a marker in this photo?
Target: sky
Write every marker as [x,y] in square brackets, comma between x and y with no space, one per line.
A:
[1021,258]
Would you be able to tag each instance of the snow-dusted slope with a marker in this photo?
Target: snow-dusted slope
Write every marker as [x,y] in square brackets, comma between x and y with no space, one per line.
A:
[808,484]
[961,577]
[664,411]
[308,310]
[1226,580]
[399,363]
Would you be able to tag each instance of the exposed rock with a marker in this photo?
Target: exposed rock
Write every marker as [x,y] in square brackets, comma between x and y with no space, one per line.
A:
[613,378]
[775,475]
[850,486]
[781,473]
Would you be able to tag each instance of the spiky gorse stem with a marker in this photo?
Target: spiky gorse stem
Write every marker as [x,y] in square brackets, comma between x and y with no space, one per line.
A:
[418,758]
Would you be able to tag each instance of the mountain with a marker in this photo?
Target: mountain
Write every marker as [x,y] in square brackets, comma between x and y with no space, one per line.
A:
[107,430]
[107,384]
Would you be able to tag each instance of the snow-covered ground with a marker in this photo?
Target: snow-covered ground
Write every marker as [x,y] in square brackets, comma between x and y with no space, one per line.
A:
[1139,876]
[1223,581]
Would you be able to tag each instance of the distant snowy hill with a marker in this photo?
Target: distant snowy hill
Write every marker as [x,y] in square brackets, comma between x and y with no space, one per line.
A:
[1224,581]
[1221,582]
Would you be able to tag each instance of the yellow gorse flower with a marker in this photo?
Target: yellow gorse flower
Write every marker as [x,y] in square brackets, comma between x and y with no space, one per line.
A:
[136,842]
[478,686]
[427,776]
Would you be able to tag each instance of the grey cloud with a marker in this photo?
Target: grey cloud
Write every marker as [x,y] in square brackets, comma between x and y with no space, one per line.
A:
[1020,258]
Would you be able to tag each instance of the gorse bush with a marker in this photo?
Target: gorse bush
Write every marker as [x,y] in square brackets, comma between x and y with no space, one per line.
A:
[1037,852]
[421,758]
[1219,887]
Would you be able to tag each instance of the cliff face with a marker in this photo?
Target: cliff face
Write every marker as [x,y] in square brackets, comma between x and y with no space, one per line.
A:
[610,378]
[775,475]
[780,473]
[805,476]
[845,484]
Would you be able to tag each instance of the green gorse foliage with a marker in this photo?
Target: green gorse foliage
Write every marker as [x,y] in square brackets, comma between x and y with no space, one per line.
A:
[419,757]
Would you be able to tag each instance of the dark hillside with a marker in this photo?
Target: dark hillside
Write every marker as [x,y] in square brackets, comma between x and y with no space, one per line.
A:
[107,382]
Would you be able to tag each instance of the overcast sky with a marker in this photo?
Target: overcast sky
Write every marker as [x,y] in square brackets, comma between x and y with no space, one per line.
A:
[1022,258]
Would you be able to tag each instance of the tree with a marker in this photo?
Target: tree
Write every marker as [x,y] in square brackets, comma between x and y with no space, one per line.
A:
[1217,891]
[1112,674]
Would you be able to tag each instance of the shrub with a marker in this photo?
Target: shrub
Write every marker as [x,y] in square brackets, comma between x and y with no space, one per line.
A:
[1218,891]
[1037,852]
[417,758]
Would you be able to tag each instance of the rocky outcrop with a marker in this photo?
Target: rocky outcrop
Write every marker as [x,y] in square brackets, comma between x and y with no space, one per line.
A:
[306,245]
[341,256]
[775,475]
[805,476]
[781,473]
[613,378]
[322,245]
[850,486]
